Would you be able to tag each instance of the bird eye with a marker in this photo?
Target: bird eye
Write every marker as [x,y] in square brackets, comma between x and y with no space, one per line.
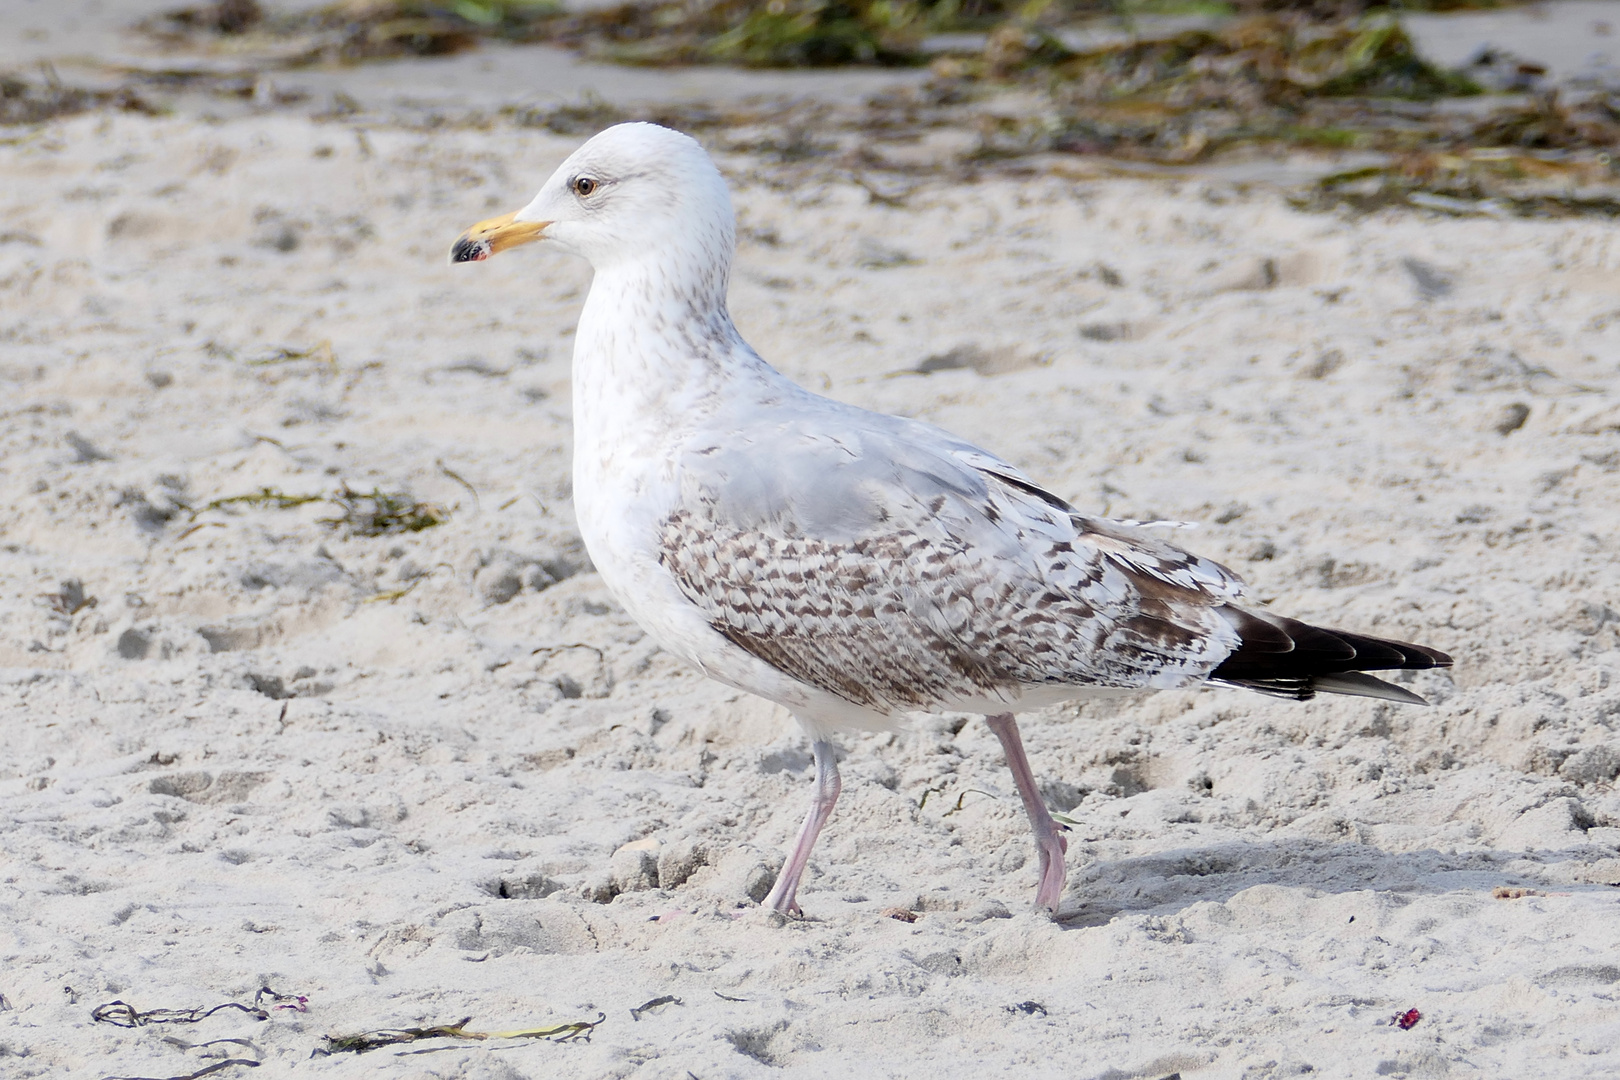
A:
[583,186]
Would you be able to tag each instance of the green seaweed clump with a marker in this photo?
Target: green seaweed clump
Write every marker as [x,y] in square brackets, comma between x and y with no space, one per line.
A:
[1268,59]
[382,28]
[377,512]
[777,33]
[1269,78]
[751,33]
[352,30]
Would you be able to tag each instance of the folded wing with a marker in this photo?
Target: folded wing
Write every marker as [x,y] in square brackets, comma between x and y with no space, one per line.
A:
[899,570]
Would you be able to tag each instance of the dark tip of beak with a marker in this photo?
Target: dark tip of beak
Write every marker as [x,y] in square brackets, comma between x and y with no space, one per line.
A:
[469,250]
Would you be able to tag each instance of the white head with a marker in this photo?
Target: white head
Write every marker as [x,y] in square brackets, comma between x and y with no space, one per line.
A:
[633,193]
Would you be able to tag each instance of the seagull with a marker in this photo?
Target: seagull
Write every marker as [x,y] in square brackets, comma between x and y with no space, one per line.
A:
[853,567]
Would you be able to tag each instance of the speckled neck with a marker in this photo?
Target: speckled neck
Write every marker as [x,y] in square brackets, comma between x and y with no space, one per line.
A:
[655,352]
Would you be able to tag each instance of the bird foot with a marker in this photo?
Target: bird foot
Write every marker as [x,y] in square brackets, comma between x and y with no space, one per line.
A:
[1052,847]
[790,909]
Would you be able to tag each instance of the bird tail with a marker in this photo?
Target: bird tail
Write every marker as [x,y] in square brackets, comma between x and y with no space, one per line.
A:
[1290,659]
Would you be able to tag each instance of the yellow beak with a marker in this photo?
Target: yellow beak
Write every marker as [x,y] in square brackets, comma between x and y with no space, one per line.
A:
[493,236]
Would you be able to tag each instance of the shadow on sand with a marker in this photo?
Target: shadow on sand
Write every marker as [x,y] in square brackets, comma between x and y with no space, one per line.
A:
[1170,881]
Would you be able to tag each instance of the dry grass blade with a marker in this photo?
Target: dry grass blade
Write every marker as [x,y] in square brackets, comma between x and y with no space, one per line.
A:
[264,497]
[578,1029]
[321,353]
[391,595]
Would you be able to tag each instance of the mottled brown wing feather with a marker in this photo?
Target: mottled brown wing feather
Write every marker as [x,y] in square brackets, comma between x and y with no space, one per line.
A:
[905,620]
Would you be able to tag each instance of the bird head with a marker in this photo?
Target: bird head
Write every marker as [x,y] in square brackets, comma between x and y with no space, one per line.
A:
[632,191]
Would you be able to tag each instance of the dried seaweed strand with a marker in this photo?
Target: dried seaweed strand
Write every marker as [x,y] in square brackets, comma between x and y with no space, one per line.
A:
[123,1014]
[373,1040]
[209,1070]
[655,1003]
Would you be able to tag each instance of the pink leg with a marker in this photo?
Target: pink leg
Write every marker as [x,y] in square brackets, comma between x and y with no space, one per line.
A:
[784,894]
[1049,842]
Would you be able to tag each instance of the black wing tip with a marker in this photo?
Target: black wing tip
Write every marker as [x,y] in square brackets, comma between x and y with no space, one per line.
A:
[1349,684]
[1435,658]
[1360,684]
[1321,660]
[1287,689]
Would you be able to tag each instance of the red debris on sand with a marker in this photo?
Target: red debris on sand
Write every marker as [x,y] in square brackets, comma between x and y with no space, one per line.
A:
[290,1002]
[1407,1020]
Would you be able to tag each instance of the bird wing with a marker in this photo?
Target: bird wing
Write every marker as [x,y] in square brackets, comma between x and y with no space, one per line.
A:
[896,567]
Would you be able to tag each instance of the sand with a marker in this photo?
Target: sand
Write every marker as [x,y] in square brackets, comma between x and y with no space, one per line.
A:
[422,776]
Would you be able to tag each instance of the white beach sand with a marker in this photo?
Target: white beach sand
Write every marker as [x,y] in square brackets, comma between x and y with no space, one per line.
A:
[253,761]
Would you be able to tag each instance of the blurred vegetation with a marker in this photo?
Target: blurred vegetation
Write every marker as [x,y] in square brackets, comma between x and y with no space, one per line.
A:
[815,33]
[34,101]
[349,30]
[1164,82]
[1268,78]
[1244,61]
[752,33]
[1488,182]
[777,33]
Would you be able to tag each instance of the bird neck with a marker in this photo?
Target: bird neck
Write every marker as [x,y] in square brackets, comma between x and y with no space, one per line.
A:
[655,357]
[655,338]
